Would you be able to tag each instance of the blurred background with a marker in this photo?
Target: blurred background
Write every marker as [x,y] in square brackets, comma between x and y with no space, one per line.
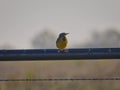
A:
[36,24]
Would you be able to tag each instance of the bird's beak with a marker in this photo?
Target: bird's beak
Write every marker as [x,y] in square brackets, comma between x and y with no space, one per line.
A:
[66,33]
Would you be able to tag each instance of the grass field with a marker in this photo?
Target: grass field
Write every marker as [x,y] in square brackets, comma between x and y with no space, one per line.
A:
[60,69]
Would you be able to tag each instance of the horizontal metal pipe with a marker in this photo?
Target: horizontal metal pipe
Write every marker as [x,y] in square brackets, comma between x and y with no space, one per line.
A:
[55,54]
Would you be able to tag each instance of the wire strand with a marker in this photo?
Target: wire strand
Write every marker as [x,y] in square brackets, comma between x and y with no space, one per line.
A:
[59,79]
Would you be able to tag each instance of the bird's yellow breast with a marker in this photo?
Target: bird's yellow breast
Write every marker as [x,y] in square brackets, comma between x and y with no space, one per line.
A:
[61,44]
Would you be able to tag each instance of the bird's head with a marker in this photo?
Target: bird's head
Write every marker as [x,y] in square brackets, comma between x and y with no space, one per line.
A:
[63,34]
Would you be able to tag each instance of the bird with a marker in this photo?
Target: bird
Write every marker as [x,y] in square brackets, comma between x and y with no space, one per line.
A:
[61,42]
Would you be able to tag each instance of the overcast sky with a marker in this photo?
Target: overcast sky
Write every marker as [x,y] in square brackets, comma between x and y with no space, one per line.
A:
[20,20]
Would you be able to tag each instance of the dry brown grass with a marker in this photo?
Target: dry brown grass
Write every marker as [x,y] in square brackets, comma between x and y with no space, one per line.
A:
[62,69]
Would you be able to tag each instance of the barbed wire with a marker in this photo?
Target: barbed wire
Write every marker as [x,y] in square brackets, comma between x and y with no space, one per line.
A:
[60,79]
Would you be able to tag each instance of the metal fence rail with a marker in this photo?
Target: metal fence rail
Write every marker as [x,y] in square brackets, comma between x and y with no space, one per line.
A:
[55,54]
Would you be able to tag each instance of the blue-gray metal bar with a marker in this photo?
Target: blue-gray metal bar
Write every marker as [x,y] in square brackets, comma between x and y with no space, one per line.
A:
[55,54]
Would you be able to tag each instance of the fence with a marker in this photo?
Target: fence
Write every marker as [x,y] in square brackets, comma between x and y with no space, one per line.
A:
[55,54]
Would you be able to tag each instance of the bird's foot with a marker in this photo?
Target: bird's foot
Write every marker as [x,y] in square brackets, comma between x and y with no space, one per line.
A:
[64,50]
[58,51]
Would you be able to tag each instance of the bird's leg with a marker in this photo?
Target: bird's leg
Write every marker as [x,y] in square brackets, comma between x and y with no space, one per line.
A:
[66,50]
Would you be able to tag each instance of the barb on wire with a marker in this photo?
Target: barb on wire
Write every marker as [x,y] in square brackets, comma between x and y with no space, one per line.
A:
[60,79]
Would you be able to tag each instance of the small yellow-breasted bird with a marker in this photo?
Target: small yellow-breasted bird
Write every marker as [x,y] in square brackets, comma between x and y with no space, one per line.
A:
[62,41]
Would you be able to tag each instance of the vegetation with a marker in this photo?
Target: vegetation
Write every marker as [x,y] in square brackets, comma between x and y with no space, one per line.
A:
[43,40]
[60,69]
